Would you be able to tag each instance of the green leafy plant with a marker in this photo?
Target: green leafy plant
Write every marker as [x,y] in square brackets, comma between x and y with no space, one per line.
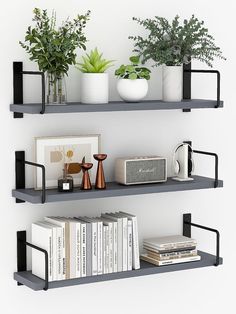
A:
[94,63]
[133,71]
[51,47]
[175,43]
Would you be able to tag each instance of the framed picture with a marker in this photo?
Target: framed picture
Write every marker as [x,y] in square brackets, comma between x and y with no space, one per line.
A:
[54,152]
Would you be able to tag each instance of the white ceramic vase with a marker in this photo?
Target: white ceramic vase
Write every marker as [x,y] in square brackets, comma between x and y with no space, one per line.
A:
[172,83]
[132,90]
[94,88]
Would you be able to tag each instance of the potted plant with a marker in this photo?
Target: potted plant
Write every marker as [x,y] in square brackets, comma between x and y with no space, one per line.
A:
[172,45]
[132,85]
[54,49]
[94,79]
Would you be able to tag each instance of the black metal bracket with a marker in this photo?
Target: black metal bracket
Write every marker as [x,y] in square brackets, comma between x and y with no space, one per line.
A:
[18,86]
[216,164]
[187,71]
[187,224]
[22,255]
[20,163]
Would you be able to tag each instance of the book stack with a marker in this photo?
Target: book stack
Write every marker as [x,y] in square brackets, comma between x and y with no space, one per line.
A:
[170,250]
[84,246]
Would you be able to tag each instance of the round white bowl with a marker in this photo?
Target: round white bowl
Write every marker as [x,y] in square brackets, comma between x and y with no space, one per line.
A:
[132,90]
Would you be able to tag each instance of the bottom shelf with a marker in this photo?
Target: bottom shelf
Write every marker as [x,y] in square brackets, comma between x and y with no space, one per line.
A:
[26,278]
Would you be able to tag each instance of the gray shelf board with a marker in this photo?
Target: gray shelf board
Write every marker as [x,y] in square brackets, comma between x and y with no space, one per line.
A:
[114,189]
[74,107]
[28,279]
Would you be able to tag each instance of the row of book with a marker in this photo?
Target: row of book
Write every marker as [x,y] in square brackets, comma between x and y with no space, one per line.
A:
[83,246]
[170,250]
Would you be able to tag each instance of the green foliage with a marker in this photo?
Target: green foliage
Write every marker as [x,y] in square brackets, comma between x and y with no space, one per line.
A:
[94,63]
[54,48]
[133,71]
[175,43]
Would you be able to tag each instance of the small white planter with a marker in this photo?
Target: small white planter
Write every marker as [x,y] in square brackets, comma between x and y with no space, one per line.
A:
[132,90]
[94,88]
[172,83]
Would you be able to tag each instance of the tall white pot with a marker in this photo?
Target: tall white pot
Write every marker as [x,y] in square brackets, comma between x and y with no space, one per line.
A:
[172,83]
[94,88]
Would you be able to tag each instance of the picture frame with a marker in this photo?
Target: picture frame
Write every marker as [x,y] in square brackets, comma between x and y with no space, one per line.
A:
[54,152]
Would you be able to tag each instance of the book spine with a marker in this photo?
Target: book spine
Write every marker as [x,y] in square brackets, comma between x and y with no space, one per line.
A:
[54,253]
[94,249]
[104,249]
[63,252]
[120,245]
[115,247]
[72,245]
[83,251]
[125,244]
[110,228]
[99,244]
[67,249]
[50,270]
[136,260]
[107,250]
[59,254]
[78,263]
[130,245]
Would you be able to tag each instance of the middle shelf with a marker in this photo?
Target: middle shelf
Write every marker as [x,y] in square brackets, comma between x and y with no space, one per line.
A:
[114,189]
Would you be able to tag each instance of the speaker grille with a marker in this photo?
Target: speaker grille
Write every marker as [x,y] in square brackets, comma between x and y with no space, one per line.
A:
[145,171]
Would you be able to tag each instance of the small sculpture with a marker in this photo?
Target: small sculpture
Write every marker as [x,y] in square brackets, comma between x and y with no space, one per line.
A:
[86,183]
[100,178]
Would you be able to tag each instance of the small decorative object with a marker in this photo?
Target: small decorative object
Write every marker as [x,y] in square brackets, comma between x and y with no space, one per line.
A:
[86,183]
[100,178]
[54,49]
[65,183]
[132,85]
[172,45]
[94,80]
[54,152]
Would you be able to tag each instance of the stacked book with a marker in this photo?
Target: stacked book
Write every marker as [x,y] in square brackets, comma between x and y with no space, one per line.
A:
[84,246]
[170,250]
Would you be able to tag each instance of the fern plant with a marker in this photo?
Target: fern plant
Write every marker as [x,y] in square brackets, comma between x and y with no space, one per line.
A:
[133,71]
[94,63]
[175,43]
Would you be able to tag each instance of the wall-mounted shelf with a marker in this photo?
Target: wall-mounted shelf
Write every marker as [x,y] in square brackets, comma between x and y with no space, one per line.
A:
[115,106]
[115,189]
[24,277]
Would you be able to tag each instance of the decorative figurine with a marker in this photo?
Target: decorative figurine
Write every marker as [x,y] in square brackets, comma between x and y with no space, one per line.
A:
[86,183]
[100,178]
[65,183]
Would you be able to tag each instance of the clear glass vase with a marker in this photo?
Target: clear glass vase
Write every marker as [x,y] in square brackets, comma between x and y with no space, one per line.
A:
[55,89]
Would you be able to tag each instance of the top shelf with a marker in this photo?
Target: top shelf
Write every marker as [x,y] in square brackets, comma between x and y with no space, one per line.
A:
[74,107]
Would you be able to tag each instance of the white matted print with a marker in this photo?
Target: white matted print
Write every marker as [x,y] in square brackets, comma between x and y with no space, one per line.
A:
[54,152]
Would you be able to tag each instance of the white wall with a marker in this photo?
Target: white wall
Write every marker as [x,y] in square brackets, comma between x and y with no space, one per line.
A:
[195,291]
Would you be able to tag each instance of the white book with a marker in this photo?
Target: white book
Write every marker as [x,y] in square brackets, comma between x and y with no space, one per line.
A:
[109,224]
[105,249]
[99,244]
[124,240]
[55,266]
[83,249]
[148,259]
[42,237]
[136,258]
[118,240]
[58,222]
[130,245]
[94,227]
[170,242]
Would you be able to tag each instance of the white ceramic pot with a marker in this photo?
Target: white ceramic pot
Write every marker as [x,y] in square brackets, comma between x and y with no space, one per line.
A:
[172,83]
[94,88]
[132,90]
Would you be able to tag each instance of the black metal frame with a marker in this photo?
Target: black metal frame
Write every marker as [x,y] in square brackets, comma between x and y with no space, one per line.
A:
[187,71]
[18,86]
[208,154]
[187,224]
[22,255]
[20,163]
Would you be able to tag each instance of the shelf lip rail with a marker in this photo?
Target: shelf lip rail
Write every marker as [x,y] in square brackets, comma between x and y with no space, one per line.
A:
[187,224]
[20,163]
[22,256]
[218,81]
[216,184]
